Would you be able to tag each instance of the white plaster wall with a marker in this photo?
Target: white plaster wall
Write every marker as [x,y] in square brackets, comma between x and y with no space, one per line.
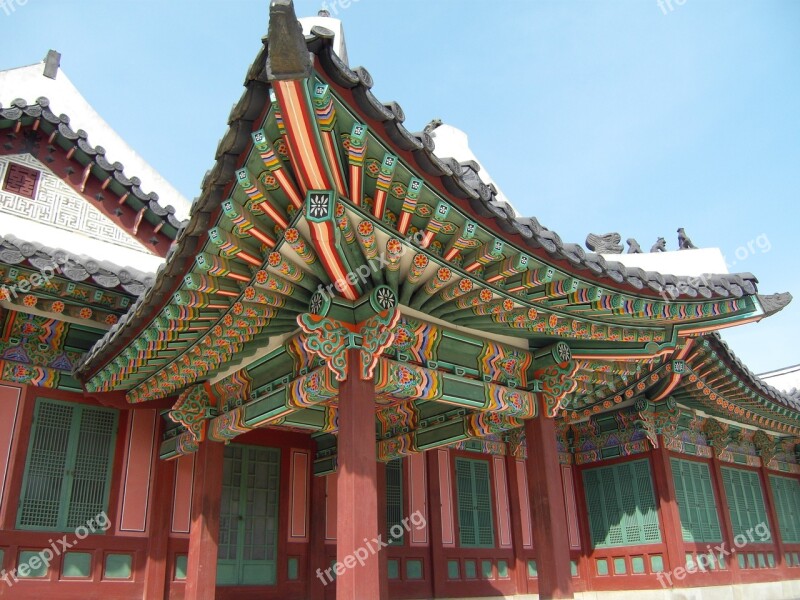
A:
[687,263]
[335,25]
[76,227]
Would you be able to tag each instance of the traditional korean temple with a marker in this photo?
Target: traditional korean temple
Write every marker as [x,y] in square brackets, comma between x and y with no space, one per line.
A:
[359,374]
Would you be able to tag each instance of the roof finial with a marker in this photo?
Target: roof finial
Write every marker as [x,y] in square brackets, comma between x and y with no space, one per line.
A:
[288,57]
[51,63]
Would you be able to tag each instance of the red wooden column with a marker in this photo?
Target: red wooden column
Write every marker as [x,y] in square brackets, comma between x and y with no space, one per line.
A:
[357,489]
[550,534]
[438,557]
[725,519]
[201,569]
[520,569]
[772,515]
[155,571]
[669,513]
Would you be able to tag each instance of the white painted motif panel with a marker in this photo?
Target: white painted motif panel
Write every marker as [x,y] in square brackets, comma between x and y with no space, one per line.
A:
[58,205]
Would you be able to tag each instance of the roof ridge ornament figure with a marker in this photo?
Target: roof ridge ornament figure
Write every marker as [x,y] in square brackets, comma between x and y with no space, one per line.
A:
[434,123]
[633,246]
[659,246]
[684,241]
[604,243]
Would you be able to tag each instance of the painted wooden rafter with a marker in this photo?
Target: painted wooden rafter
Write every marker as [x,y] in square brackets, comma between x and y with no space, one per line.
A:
[383,183]
[325,234]
[356,151]
[354,249]
[245,220]
[738,405]
[302,135]
[326,121]
[275,168]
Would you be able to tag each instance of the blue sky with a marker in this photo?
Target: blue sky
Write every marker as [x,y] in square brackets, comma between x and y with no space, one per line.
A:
[592,116]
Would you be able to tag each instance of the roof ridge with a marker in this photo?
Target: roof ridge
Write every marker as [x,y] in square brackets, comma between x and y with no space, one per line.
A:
[755,380]
[74,267]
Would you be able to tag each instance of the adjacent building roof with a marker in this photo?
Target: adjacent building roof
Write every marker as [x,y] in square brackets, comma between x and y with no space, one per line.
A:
[37,130]
[47,79]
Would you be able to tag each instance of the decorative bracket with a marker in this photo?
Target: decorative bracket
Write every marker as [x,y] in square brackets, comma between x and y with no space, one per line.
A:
[377,334]
[718,434]
[766,446]
[662,419]
[557,378]
[330,338]
[193,408]
[516,440]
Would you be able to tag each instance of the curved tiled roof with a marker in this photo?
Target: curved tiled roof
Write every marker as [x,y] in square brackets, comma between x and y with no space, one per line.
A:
[20,110]
[458,179]
[463,180]
[788,399]
[14,251]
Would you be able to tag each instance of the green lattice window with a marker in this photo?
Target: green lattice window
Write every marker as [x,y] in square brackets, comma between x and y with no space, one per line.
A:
[474,491]
[394,501]
[622,506]
[745,500]
[787,503]
[68,469]
[696,502]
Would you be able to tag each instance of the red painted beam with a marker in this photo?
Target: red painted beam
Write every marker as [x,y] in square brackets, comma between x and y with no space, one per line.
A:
[117,399]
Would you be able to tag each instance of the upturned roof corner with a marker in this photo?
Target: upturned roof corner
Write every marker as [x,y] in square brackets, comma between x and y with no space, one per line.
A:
[288,56]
